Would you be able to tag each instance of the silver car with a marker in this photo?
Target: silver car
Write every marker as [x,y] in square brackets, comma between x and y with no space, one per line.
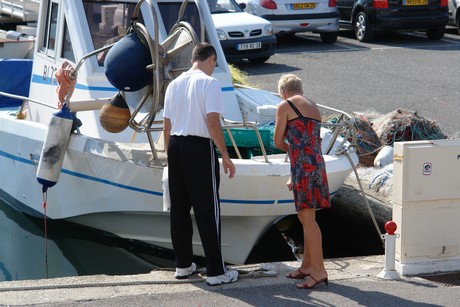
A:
[454,14]
[292,16]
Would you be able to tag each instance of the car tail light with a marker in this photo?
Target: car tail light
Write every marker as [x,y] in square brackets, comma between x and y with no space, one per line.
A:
[332,3]
[268,4]
[381,4]
[444,2]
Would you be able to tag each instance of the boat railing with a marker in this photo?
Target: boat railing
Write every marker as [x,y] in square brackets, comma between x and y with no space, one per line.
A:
[228,124]
[23,98]
[344,126]
[75,105]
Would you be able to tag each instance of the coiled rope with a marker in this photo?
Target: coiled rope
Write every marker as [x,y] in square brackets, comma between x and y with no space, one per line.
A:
[379,180]
[66,83]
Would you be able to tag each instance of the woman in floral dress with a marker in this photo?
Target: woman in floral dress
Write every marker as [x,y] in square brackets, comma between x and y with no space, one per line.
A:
[297,131]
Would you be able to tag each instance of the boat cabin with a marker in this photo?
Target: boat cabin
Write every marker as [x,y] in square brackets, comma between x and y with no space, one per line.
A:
[82,33]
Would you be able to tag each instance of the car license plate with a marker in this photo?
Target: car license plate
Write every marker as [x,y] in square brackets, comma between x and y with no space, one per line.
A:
[249,46]
[415,2]
[303,6]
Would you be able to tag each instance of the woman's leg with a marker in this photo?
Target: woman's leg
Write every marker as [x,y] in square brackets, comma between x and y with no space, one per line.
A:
[313,247]
[306,266]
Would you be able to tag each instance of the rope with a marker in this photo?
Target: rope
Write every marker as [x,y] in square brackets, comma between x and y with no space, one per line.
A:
[364,196]
[44,195]
[360,125]
[258,273]
[66,81]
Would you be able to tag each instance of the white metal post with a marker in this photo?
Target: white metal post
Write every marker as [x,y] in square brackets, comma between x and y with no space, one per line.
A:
[389,272]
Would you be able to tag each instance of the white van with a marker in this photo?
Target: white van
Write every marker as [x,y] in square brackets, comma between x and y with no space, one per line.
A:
[242,35]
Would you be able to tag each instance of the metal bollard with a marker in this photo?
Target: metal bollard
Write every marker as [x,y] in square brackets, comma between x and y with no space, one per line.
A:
[389,272]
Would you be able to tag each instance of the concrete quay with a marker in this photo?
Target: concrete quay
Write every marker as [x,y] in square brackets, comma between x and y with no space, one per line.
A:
[352,282]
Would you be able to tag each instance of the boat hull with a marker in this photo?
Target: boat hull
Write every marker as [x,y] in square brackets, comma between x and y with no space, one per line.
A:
[16,49]
[116,187]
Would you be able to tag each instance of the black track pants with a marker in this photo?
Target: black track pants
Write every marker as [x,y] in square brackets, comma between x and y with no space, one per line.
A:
[194,183]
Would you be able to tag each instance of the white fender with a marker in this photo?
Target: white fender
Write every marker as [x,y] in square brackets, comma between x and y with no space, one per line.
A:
[384,157]
[54,148]
[166,197]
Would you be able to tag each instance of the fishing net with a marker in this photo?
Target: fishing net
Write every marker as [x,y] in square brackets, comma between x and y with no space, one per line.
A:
[402,125]
[374,132]
[368,142]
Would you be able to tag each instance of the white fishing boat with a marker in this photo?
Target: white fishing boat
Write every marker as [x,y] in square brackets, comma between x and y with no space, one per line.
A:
[16,45]
[112,181]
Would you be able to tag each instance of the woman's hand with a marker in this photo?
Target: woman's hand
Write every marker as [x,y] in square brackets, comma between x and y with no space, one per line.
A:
[289,184]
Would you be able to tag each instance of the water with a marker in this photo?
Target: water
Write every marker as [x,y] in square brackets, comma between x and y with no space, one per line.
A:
[73,250]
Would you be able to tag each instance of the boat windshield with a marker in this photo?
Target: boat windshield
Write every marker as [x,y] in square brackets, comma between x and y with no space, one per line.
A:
[170,13]
[67,50]
[108,21]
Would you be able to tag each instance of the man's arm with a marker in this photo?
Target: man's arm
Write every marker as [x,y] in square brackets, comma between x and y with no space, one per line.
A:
[215,128]
[166,133]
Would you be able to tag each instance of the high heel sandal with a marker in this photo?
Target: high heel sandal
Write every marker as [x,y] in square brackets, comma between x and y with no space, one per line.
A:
[317,282]
[297,274]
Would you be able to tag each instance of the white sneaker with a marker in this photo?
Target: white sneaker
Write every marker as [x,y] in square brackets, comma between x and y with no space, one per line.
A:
[230,276]
[186,272]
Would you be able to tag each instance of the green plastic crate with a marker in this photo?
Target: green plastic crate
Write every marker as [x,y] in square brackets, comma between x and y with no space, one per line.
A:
[247,137]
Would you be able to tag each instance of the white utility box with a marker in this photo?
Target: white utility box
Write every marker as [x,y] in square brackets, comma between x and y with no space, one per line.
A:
[426,206]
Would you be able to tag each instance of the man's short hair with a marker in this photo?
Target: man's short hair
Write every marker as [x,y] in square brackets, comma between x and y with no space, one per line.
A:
[202,52]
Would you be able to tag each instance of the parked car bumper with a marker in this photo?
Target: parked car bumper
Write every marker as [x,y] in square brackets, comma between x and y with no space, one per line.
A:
[232,53]
[324,22]
[398,20]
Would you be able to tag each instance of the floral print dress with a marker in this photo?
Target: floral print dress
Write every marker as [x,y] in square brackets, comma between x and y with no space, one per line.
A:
[308,169]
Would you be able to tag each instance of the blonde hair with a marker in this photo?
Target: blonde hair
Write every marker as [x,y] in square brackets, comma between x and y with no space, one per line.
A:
[290,83]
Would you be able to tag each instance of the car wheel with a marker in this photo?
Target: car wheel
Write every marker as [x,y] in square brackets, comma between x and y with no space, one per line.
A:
[259,60]
[329,37]
[458,22]
[363,28]
[435,34]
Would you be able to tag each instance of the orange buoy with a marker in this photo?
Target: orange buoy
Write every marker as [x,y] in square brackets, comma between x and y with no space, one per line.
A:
[114,115]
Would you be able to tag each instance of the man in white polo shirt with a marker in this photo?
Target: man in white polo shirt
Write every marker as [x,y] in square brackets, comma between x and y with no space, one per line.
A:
[192,129]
